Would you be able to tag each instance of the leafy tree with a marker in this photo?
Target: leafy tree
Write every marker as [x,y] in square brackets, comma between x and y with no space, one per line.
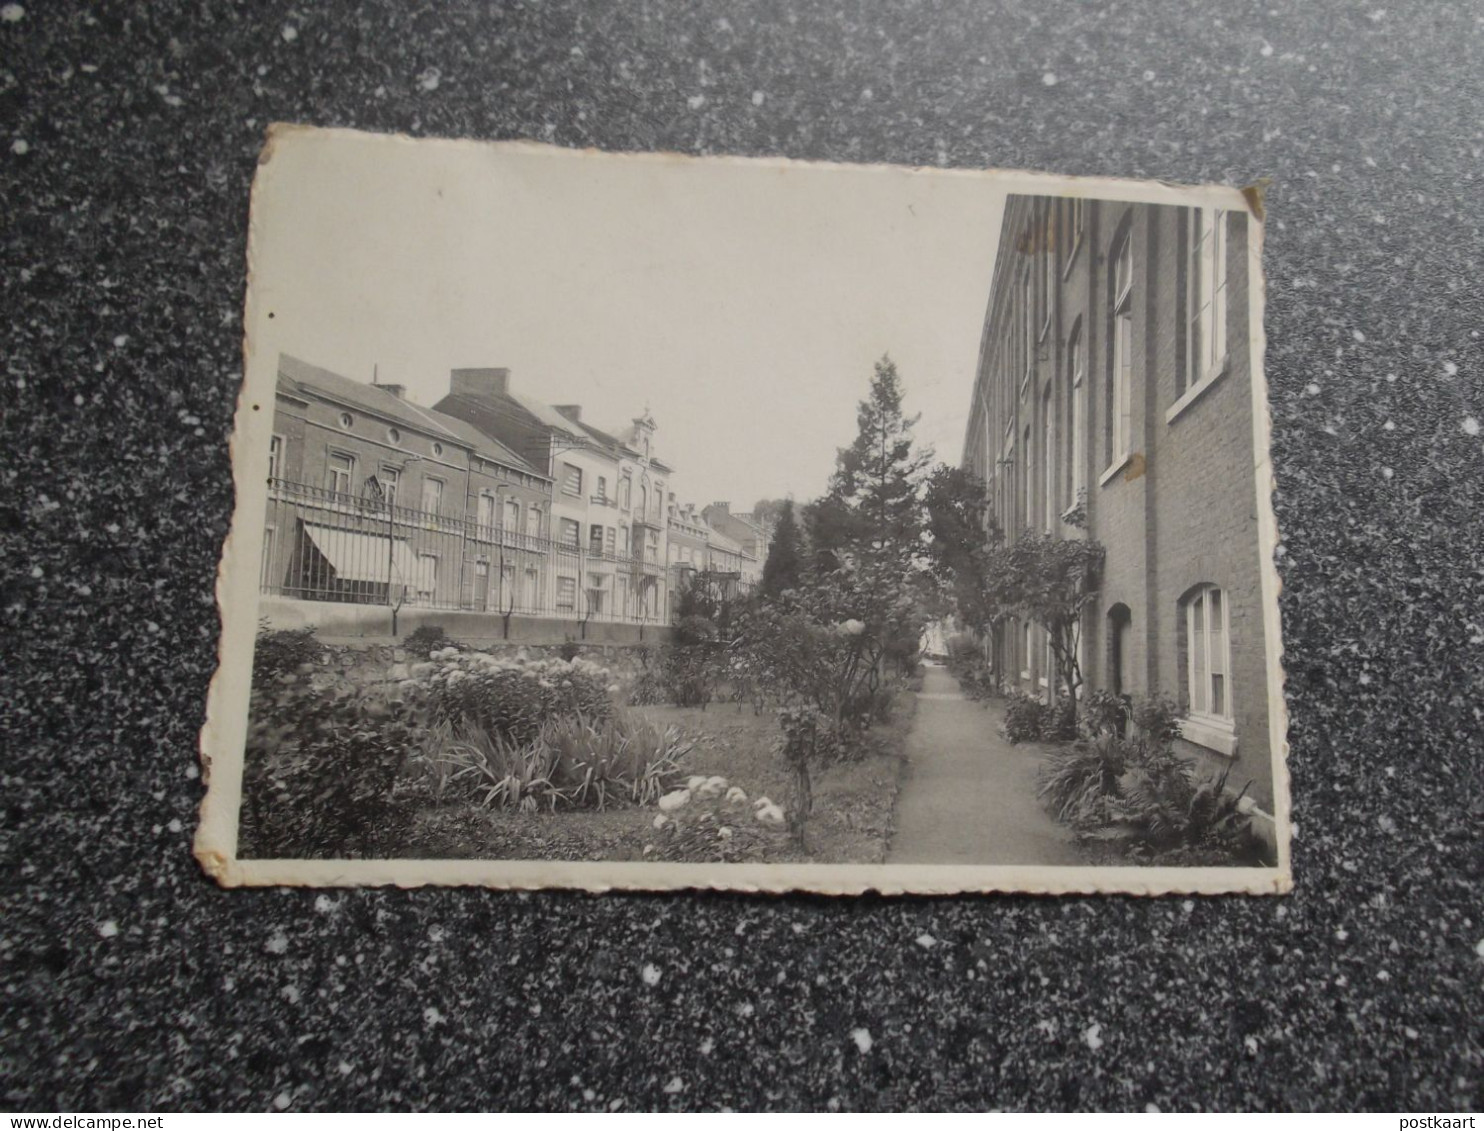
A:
[1051,582]
[965,548]
[784,568]
[768,511]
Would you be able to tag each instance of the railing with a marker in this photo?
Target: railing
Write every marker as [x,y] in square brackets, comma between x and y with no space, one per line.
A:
[323,545]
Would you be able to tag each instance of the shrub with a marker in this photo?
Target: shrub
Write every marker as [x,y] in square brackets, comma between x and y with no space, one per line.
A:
[1077,782]
[511,699]
[1025,718]
[689,673]
[1136,791]
[278,651]
[574,762]
[723,830]
[1162,812]
[424,640]
[1104,713]
[320,767]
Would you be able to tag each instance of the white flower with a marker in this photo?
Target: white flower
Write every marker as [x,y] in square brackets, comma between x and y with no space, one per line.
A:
[695,781]
[711,787]
[674,800]
[724,833]
[661,821]
[770,814]
[736,796]
[851,627]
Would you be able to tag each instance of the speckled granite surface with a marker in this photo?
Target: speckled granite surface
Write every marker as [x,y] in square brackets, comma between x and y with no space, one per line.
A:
[130,982]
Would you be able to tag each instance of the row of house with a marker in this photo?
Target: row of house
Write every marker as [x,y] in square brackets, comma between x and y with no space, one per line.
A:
[1115,372]
[491,501]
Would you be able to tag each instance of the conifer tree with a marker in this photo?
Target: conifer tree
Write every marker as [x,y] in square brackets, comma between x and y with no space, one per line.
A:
[785,565]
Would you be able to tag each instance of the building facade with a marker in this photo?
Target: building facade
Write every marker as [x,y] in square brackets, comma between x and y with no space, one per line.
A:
[751,537]
[1115,370]
[609,559]
[376,500]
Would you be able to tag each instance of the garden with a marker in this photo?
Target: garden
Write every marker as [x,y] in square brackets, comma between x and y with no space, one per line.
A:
[770,727]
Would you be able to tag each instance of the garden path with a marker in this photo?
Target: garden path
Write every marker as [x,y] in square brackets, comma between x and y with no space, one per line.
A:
[969,797]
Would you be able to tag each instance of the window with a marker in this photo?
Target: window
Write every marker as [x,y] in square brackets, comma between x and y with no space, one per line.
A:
[1046,262]
[533,520]
[595,539]
[512,516]
[340,469]
[432,495]
[625,486]
[427,577]
[391,479]
[1120,621]
[571,479]
[1208,657]
[1048,457]
[1028,515]
[1027,333]
[437,449]
[610,542]
[643,501]
[1078,446]
[266,570]
[1025,640]
[566,594]
[1076,212]
[275,458]
[1205,298]
[533,589]
[486,513]
[1120,386]
[346,420]
[393,435]
[602,494]
[571,532]
[481,586]
[626,542]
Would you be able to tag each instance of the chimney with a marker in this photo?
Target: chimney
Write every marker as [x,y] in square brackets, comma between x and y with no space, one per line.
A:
[479,382]
[572,412]
[725,508]
[398,391]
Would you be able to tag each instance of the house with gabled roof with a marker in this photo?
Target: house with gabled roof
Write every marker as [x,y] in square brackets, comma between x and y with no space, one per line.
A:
[374,499]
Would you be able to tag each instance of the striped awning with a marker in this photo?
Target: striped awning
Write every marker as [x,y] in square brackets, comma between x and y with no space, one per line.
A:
[357,556]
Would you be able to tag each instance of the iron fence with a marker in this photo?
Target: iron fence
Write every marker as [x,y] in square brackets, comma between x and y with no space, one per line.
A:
[323,545]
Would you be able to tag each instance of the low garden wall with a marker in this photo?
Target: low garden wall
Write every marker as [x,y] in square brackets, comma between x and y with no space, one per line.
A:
[372,624]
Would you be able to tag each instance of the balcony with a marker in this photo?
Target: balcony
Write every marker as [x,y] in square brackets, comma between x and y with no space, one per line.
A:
[649,521]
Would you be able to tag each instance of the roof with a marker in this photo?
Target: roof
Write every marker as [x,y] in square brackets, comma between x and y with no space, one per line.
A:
[299,376]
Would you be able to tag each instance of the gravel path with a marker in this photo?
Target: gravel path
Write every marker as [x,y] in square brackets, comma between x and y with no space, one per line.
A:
[969,797]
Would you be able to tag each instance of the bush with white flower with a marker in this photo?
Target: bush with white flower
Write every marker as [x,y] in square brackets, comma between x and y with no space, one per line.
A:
[511,697]
[711,820]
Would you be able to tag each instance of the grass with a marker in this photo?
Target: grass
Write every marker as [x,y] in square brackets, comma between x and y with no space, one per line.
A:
[851,821]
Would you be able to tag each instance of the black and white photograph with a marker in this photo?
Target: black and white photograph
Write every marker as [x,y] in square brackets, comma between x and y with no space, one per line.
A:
[637,521]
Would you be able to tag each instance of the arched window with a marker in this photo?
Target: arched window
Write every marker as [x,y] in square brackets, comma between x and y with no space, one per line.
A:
[1120,620]
[1118,401]
[1076,420]
[1048,457]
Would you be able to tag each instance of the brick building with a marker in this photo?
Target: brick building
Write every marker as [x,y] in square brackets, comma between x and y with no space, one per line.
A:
[367,490]
[1115,368]
[608,496]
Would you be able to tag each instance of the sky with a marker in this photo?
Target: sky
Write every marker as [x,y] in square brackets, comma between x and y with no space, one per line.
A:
[744,303]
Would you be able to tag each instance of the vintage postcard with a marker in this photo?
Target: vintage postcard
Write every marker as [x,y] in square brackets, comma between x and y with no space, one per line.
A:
[637,521]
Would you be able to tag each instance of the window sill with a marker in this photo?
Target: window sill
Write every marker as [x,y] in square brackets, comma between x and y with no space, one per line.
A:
[1213,733]
[1114,468]
[1194,393]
